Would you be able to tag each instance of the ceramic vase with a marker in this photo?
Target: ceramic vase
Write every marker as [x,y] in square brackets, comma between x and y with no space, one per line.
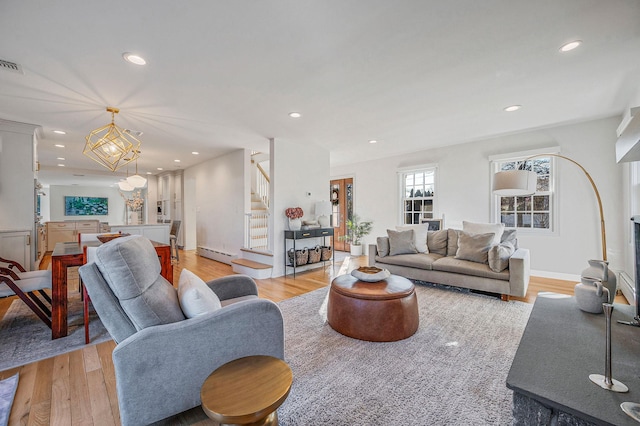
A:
[590,295]
[295,224]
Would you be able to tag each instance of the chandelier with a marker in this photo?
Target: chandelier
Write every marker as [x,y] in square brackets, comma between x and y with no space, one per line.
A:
[111,146]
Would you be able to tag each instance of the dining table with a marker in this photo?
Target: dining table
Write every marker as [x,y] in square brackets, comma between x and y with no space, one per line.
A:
[70,254]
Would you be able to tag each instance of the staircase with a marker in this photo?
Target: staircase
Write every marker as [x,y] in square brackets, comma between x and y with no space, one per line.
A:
[257,259]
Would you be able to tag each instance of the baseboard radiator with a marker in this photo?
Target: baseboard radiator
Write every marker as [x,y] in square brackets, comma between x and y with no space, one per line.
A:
[216,255]
[628,287]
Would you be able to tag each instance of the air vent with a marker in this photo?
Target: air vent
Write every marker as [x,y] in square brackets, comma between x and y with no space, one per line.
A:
[10,66]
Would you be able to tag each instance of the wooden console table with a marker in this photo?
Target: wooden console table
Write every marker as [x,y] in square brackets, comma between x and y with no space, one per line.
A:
[560,347]
[66,255]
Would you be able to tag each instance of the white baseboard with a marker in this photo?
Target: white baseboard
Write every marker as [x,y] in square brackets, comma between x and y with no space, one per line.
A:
[556,275]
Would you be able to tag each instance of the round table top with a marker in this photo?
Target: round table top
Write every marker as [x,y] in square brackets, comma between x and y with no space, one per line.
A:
[246,390]
[394,287]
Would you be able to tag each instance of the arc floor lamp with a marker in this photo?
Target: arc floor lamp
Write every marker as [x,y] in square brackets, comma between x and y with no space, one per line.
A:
[522,183]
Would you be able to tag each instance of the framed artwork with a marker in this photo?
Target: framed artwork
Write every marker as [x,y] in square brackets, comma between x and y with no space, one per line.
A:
[434,224]
[86,206]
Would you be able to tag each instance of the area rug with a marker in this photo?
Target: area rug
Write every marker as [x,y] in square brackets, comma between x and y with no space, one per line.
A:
[451,372]
[8,388]
[26,339]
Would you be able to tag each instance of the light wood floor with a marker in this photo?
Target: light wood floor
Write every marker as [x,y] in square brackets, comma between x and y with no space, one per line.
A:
[78,388]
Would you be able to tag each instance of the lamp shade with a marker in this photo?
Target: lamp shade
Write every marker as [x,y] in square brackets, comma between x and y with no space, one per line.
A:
[137,181]
[125,186]
[511,183]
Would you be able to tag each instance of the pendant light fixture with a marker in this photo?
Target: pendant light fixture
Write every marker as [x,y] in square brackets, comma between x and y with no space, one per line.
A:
[111,146]
[136,180]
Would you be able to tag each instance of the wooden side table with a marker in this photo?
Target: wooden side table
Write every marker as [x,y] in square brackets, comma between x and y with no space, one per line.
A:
[247,391]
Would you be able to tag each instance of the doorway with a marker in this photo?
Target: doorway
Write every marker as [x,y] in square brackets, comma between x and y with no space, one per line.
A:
[342,206]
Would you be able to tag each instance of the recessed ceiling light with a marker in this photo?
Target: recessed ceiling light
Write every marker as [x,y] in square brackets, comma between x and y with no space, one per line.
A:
[60,158]
[570,46]
[160,168]
[373,141]
[60,132]
[195,152]
[176,161]
[134,59]
[59,145]
[60,165]
[512,108]
[295,115]
[149,173]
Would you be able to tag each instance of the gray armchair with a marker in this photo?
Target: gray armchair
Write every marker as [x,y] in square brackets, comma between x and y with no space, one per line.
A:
[162,359]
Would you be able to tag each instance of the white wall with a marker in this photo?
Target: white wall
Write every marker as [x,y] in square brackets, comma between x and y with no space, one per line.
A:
[57,193]
[218,202]
[297,169]
[17,197]
[463,191]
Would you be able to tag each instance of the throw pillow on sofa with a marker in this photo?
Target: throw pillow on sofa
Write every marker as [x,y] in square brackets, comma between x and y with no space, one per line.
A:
[401,242]
[474,247]
[437,242]
[499,256]
[419,236]
[195,296]
[383,246]
[484,228]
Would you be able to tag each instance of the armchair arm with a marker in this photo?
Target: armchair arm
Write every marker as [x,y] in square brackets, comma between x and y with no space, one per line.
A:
[233,286]
[519,272]
[162,368]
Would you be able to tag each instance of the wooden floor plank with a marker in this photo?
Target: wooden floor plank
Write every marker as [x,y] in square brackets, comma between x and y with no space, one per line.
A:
[40,413]
[60,391]
[79,393]
[92,387]
[99,397]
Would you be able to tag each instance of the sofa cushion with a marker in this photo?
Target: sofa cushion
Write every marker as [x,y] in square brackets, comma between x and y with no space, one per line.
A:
[416,260]
[466,267]
[484,228]
[131,268]
[401,242]
[509,236]
[195,296]
[452,241]
[474,247]
[437,241]
[499,256]
[419,236]
[382,244]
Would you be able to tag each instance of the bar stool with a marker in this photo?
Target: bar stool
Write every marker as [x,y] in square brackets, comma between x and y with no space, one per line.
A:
[173,239]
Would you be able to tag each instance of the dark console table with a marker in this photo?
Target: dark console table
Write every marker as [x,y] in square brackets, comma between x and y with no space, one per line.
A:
[560,347]
[303,235]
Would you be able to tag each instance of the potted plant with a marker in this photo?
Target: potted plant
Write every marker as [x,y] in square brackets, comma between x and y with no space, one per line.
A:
[356,230]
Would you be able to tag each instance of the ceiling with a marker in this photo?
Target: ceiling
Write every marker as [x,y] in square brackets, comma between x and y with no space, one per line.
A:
[223,75]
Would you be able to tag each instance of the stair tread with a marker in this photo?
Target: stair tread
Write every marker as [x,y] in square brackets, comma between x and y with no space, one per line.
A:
[251,264]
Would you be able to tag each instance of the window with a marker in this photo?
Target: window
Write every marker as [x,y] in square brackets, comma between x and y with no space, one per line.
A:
[533,212]
[418,195]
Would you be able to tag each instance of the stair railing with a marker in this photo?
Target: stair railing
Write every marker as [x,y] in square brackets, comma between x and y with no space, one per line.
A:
[257,231]
[262,185]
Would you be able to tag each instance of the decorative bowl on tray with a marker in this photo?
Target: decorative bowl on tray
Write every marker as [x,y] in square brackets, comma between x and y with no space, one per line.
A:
[370,273]
[105,238]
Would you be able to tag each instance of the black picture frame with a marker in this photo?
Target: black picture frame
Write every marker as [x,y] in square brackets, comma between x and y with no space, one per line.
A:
[434,224]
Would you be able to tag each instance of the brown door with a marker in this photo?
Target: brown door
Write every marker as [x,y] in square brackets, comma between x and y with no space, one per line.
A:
[342,200]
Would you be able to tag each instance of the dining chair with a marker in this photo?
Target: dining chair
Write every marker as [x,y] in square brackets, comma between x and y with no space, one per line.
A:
[173,239]
[25,288]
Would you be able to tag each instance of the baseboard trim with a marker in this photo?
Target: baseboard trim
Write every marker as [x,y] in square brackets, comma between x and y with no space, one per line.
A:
[556,275]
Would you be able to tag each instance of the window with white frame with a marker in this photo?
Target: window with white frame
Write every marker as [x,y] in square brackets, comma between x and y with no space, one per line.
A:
[532,212]
[418,195]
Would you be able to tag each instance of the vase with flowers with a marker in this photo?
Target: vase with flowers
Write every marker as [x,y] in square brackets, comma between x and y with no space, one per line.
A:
[295,215]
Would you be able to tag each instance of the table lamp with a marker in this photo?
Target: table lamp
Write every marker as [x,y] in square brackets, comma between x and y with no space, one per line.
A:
[323,211]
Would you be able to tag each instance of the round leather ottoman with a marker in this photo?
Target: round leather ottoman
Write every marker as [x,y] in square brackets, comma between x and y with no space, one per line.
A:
[383,311]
